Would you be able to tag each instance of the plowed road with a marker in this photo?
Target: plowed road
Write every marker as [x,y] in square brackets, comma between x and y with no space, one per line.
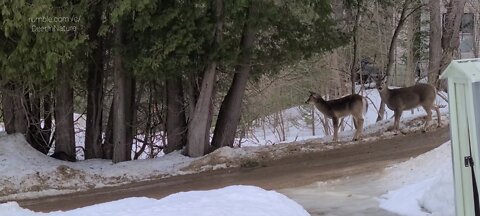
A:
[290,172]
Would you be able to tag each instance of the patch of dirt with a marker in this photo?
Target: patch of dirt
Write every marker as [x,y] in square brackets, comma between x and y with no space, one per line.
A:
[7,188]
[67,172]
[223,157]
[259,156]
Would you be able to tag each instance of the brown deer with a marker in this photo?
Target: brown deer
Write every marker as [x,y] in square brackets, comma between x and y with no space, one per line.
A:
[408,98]
[354,105]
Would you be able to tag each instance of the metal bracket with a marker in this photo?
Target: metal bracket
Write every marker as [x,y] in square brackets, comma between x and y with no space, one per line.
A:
[468,160]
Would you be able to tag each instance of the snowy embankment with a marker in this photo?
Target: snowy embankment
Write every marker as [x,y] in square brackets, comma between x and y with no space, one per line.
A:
[232,201]
[25,172]
[420,186]
[423,185]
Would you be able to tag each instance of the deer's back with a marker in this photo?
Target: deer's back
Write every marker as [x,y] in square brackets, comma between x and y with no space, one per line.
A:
[346,105]
[411,97]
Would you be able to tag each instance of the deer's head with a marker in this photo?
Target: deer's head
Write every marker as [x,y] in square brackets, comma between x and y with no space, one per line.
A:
[312,98]
[381,83]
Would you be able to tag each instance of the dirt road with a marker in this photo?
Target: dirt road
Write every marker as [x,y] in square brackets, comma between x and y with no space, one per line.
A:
[289,172]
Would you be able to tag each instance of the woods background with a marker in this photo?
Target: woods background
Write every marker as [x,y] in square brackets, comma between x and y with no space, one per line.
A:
[165,75]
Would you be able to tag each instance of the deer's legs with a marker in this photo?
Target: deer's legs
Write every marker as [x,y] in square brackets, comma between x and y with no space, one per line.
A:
[335,129]
[396,124]
[358,126]
[429,117]
[429,113]
[437,110]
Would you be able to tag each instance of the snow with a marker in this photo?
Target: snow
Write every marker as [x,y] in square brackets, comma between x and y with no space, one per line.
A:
[80,121]
[420,186]
[427,185]
[231,201]
[26,171]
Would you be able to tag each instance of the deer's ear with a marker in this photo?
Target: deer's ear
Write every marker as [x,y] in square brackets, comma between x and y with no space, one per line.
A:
[381,80]
[312,93]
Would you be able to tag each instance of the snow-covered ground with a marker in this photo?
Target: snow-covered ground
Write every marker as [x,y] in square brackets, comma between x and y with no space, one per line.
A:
[421,186]
[26,172]
[80,122]
[231,201]
[424,185]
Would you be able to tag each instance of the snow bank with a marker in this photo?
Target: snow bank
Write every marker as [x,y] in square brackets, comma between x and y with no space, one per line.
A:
[425,185]
[25,170]
[231,201]
[439,198]
[27,173]
[420,186]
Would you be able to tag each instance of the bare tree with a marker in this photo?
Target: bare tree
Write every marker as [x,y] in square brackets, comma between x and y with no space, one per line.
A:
[404,14]
[435,41]
[391,52]
[450,36]
[354,67]
[413,28]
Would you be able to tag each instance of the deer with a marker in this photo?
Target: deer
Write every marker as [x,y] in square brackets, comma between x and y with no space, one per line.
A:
[401,99]
[354,105]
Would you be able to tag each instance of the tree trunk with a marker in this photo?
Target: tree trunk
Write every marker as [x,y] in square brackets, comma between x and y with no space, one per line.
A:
[450,36]
[93,134]
[312,113]
[107,147]
[35,110]
[119,102]
[199,122]
[20,112]
[130,112]
[48,118]
[192,91]
[476,33]
[148,125]
[8,108]
[198,127]
[176,123]
[230,110]
[393,41]
[435,42]
[411,47]
[64,130]
[35,135]
[14,109]
[354,67]
[391,53]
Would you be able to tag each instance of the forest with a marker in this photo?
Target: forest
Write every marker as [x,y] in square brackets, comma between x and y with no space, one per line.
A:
[160,76]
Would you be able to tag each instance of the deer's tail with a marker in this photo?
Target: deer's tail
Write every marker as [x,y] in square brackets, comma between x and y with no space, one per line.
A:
[365,105]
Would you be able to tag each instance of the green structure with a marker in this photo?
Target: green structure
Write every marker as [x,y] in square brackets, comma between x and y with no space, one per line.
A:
[464,104]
